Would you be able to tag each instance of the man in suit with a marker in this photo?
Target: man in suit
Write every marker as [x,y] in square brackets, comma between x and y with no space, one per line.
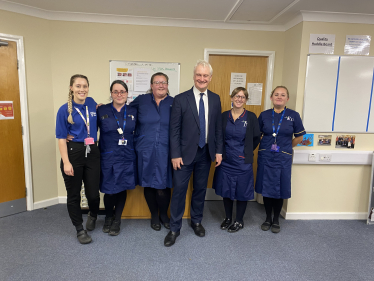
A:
[195,141]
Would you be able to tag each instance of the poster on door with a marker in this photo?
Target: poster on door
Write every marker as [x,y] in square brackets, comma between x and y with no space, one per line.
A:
[237,80]
[6,110]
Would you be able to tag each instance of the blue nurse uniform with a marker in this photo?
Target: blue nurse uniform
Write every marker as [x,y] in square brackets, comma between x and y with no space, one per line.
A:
[152,141]
[274,168]
[118,162]
[234,178]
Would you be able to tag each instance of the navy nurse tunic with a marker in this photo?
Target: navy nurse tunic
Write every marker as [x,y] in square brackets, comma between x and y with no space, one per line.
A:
[274,168]
[152,141]
[234,178]
[118,162]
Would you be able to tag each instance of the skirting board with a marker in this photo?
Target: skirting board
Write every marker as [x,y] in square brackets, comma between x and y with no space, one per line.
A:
[325,216]
[50,202]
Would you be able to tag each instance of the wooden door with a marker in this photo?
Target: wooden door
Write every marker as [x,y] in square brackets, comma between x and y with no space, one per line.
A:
[12,173]
[223,65]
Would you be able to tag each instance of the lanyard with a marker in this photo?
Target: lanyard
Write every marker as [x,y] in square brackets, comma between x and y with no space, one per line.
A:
[124,121]
[275,134]
[88,119]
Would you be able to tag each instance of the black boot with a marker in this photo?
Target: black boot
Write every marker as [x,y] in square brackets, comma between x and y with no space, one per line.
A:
[115,228]
[107,224]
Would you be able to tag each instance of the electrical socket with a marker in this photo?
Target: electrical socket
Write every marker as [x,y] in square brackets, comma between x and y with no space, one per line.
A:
[312,157]
[325,157]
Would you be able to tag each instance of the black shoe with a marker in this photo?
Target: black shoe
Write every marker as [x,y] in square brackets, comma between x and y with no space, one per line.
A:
[166,224]
[107,224]
[275,228]
[226,223]
[156,226]
[91,222]
[198,229]
[235,227]
[266,226]
[170,238]
[115,228]
[83,237]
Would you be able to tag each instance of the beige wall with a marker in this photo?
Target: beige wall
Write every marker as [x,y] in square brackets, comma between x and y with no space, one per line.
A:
[330,188]
[55,50]
[291,61]
[87,48]
[37,34]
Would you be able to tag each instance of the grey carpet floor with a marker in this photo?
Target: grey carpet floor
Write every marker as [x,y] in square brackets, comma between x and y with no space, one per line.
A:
[41,245]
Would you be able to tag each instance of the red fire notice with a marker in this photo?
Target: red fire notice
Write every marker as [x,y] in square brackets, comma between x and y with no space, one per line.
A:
[6,110]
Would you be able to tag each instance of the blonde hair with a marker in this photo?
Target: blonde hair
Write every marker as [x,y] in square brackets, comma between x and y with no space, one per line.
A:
[70,107]
[71,94]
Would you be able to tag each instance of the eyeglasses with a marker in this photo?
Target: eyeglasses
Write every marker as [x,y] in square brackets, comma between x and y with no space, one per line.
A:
[160,82]
[119,93]
[240,97]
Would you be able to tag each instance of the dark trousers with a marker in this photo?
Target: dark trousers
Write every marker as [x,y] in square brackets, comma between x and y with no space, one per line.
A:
[200,167]
[86,170]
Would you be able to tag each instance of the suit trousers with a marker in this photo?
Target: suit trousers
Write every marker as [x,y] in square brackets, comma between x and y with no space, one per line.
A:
[200,167]
[86,169]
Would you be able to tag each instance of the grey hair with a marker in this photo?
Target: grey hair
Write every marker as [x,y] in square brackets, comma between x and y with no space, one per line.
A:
[203,63]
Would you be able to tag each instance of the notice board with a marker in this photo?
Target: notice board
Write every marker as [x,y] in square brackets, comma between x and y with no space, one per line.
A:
[137,75]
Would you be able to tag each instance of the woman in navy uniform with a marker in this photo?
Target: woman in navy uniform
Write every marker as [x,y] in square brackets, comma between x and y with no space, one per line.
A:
[233,179]
[152,148]
[117,122]
[278,126]
[80,158]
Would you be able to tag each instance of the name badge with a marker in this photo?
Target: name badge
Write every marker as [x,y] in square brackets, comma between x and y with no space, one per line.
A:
[88,141]
[274,147]
[122,142]
[120,131]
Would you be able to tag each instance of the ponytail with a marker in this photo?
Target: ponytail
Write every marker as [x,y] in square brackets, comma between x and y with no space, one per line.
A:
[70,107]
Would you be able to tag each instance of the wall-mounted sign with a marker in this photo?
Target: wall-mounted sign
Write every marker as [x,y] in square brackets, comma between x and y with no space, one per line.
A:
[6,110]
[322,44]
[357,45]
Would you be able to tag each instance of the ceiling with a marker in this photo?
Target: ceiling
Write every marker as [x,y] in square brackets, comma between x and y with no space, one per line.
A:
[231,14]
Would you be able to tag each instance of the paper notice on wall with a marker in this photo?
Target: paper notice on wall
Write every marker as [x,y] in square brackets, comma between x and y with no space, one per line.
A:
[142,78]
[322,44]
[126,75]
[237,80]
[254,93]
[6,110]
[357,45]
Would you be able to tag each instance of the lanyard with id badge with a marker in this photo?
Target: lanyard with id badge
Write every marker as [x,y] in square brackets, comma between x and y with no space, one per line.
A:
[122,140]
[88,140]
[274,146]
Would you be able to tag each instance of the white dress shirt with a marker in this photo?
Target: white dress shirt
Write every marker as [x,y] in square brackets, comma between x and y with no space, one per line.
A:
[206,107]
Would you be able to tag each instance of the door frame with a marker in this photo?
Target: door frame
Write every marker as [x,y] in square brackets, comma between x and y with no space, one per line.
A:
[24,115]
[270,66]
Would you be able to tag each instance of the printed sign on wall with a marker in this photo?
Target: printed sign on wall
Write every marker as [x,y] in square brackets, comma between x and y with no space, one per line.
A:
[322,44]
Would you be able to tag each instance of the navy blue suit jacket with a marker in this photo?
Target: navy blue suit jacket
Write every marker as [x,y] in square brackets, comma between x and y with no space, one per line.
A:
[185,127]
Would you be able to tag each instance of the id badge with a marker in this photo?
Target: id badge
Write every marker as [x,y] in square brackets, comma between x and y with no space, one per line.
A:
[274,147]
[120,131]
[122,142]
[88,141]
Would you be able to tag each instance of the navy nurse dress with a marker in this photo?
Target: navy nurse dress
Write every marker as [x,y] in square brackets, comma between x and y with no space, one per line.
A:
[152,141]
[118,162]
[233,178]
[274,168]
